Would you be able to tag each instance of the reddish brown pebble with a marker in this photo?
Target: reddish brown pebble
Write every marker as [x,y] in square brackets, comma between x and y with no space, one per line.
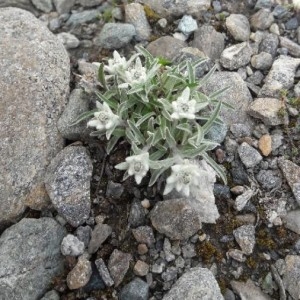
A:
[265,144]
[141,268]
[220,154]
[142,249]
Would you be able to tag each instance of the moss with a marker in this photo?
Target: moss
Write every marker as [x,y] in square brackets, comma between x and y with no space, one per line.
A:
[295,102]
[251,263]
[206,250]
[151,15]
[264,240]
[281,112]
[222,284]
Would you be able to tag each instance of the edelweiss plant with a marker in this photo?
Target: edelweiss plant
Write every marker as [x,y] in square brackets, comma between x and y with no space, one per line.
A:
[161,113]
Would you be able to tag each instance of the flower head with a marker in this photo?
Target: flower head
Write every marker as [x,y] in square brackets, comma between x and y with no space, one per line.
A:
[183,107]
[104,119]
[117,64]
[137,165]
[183,177]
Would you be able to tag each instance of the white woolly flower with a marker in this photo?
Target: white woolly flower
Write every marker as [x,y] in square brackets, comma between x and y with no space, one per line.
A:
[104,119]
[137,165]
[296,4]
[117,64]
[183,107]
[183,177]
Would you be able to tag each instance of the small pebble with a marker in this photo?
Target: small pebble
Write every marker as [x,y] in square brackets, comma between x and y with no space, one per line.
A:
[265,144]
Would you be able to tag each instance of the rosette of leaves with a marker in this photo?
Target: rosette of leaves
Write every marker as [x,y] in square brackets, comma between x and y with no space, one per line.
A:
[160,111]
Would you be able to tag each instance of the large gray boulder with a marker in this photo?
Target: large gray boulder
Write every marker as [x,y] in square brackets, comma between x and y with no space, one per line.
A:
[24,4]
[34,84]
[30,258]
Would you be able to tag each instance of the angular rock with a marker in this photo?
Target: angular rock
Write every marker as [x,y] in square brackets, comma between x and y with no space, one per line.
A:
[237,95]
[72,246]
[294,48]
[144,235]
[30,258]
[137,214]
[281,76]
[209,41]
[103,271]
[197,283]
[51,295]
[43,5]
[118,265]
[239,27]
[291,276]
[137,289]
[262,20]
[68,184]
[248,155]
[166,9]
[115,35]
[63,6]
[248,290]
[269,44]
[141,268]
[236,56]
[80,275]
[100,233]
[90,3]
[175,218]
[84,233]
[86,16]
[292,174]
[269,110]
[23,4]
[262,61]
[114,189]
[166,47]
[292,221]
[34,84]
[187,25]
[245,237]
[69,40]
[135,15]
[269,179]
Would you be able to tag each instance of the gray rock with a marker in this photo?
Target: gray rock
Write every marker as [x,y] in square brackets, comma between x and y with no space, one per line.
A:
[293,48]
[292,221]
[86,16]
[144,235]
[80,275]
[280,11]
[263,4]
[135,15]
[240,130]
[72,246]
[238,96]
[115,35]
[99,235]
[103,271]
[256,78]
[137,214]
[291,24]
[166,47]
[262,20]
[30,258]
[248,290]
[236,56]
[169,274]
[248,155]
[90,3]
[167,250]
[239,27]
[208,40]
[34,84]
[217,133]
[51,295]
[68,184]
[187,25]
[188,251]
[167,9]
[84,233]
[262,61]
[137,289]
[236,254]
[23,4]
[270,110]
[43,5]
[118,265]
[292,174]
[269,179]
[281,76]
[245,237]
[269,44]
[63,6]
[55,24]
[297,89]
[77,105]
[197,283]
[175,218]
[69,40]
[291,276]
[114,190]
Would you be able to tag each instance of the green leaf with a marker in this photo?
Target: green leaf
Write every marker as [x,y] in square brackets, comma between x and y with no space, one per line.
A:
[130,136]
[136,150]
[122,166]
[207,76]
[166,115]
[84,116]
[157,155]
[101,76]
[206,127]
[144,52]
[193,152]
[144,118]
[191,72]
[119,132]
[170,139]
[164,62]
[156,138]
[219,92]
[155,174]
[111,144]
[136,132]
[111,103]
[184,127]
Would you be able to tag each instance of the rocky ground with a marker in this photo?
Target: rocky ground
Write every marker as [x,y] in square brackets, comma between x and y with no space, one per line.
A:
[71,229]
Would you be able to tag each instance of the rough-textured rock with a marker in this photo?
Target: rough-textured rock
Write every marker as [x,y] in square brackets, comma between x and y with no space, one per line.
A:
[265,144]
[281,76]
[118,265]
[245,237]
[103,271]
[248,290]
[262,20]
[166,47]
[30,258]
[197,283]
[269,44]
[83,17]
[51,295]
[80,275]
[34,84]
[69,40]
[72,246]
[292,174]
[90,3]
[291,276]
[249,156]
[294,48]
[144,235]
[63,6]
[68,184]
[115,35]
[237,95]
[175,218]
[187,25]
[99,234]
[262,61]
[209,41]
[269,179]
[135,15]
[137,289]
[292,220]
[23,4]
[141,268]
[236,56]
[43,5]
[239,27]
[166,9]
[270,110]
[84,233]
